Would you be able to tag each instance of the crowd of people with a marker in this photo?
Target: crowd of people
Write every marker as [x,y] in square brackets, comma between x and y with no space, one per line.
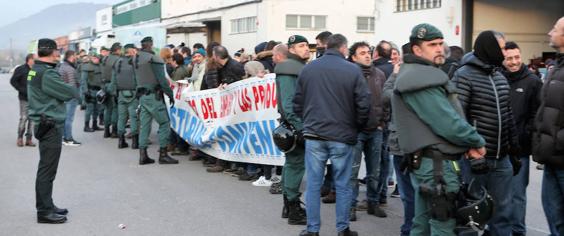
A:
[424,116]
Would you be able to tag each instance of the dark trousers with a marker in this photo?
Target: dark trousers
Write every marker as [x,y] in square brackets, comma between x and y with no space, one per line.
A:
[49,153]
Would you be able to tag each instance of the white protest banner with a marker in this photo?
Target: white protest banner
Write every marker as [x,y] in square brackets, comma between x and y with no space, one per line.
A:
[233,124]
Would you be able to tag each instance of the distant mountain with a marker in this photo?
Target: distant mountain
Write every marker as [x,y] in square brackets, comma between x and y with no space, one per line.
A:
[54,21]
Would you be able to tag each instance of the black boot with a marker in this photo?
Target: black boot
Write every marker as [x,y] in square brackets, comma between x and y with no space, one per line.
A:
[296,214]
[114,133]
[348,232]
[164,158]
[95,126]
[106,131]
[122,143]
[135,141]
[144,158]
[285,208]
[374,209]
[87,127]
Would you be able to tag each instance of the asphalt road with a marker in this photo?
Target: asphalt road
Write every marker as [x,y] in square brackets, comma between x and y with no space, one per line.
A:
[104,187]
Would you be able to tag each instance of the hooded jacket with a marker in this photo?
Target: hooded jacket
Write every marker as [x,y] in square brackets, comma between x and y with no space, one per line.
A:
[484,95]
[525,101]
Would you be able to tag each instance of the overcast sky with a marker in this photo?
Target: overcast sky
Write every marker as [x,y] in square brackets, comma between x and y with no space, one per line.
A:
[13,10]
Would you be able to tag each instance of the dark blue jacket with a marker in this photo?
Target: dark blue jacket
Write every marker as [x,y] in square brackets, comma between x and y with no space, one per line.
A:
[332,98]
[384,65]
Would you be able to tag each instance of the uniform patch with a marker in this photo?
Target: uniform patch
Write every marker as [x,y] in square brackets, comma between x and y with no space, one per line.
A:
[519,90]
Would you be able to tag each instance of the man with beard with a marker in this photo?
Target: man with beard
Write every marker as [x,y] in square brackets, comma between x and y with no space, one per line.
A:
[525,100]
[484,95]
[321,40]
[293,171]
[370,139]
[432,132]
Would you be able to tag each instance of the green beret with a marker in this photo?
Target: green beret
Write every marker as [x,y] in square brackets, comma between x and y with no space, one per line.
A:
[295,39]
[129,45]
[148,39]
[104,48]
[115,46]
[425,32]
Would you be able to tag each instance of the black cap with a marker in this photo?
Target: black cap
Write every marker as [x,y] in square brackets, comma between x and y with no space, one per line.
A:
[148,39]
[46,44]
[115,46]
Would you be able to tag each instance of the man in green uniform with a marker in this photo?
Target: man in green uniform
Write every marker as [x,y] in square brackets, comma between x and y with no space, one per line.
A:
[432,132]
[104,52]
[151,86]
[123,86]
[293,172]
[110,106]
[91,77]
[47,94]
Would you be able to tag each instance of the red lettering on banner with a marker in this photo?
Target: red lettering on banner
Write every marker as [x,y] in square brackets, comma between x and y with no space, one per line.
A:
[211,108]
[204,107]
[244,100]
[178,91]
[226,101]
[264,97]
[192,104]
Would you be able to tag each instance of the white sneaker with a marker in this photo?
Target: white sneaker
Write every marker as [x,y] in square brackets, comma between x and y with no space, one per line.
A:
[276,179]
[262,182]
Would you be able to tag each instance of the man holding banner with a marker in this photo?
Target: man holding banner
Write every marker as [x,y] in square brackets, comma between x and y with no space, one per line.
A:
[286,76]
[151,86]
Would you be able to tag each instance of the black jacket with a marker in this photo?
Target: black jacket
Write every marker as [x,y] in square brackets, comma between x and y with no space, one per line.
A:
[525,101]
[332,98]
[375,80]
[231,72]
[548,139]
[265,58]
[384,65]
[19,80]
[484,95]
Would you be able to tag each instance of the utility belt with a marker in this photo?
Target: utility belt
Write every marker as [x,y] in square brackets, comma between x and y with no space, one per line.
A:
[93,87]
[145,91]
[413,161]
[441,202]
[127,93]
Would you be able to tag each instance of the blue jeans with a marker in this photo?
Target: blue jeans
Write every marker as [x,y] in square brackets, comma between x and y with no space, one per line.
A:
[519,185]
[71,109]
[317,154]
[496,181]
[405,189]
[553,199]
[385,167]
[371,145]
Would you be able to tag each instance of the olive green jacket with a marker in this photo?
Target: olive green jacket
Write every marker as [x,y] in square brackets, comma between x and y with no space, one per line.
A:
[47,93]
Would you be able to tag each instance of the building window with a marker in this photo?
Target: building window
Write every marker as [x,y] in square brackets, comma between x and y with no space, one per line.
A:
[244,25]
[413,5]
[365,24]
[307,22]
